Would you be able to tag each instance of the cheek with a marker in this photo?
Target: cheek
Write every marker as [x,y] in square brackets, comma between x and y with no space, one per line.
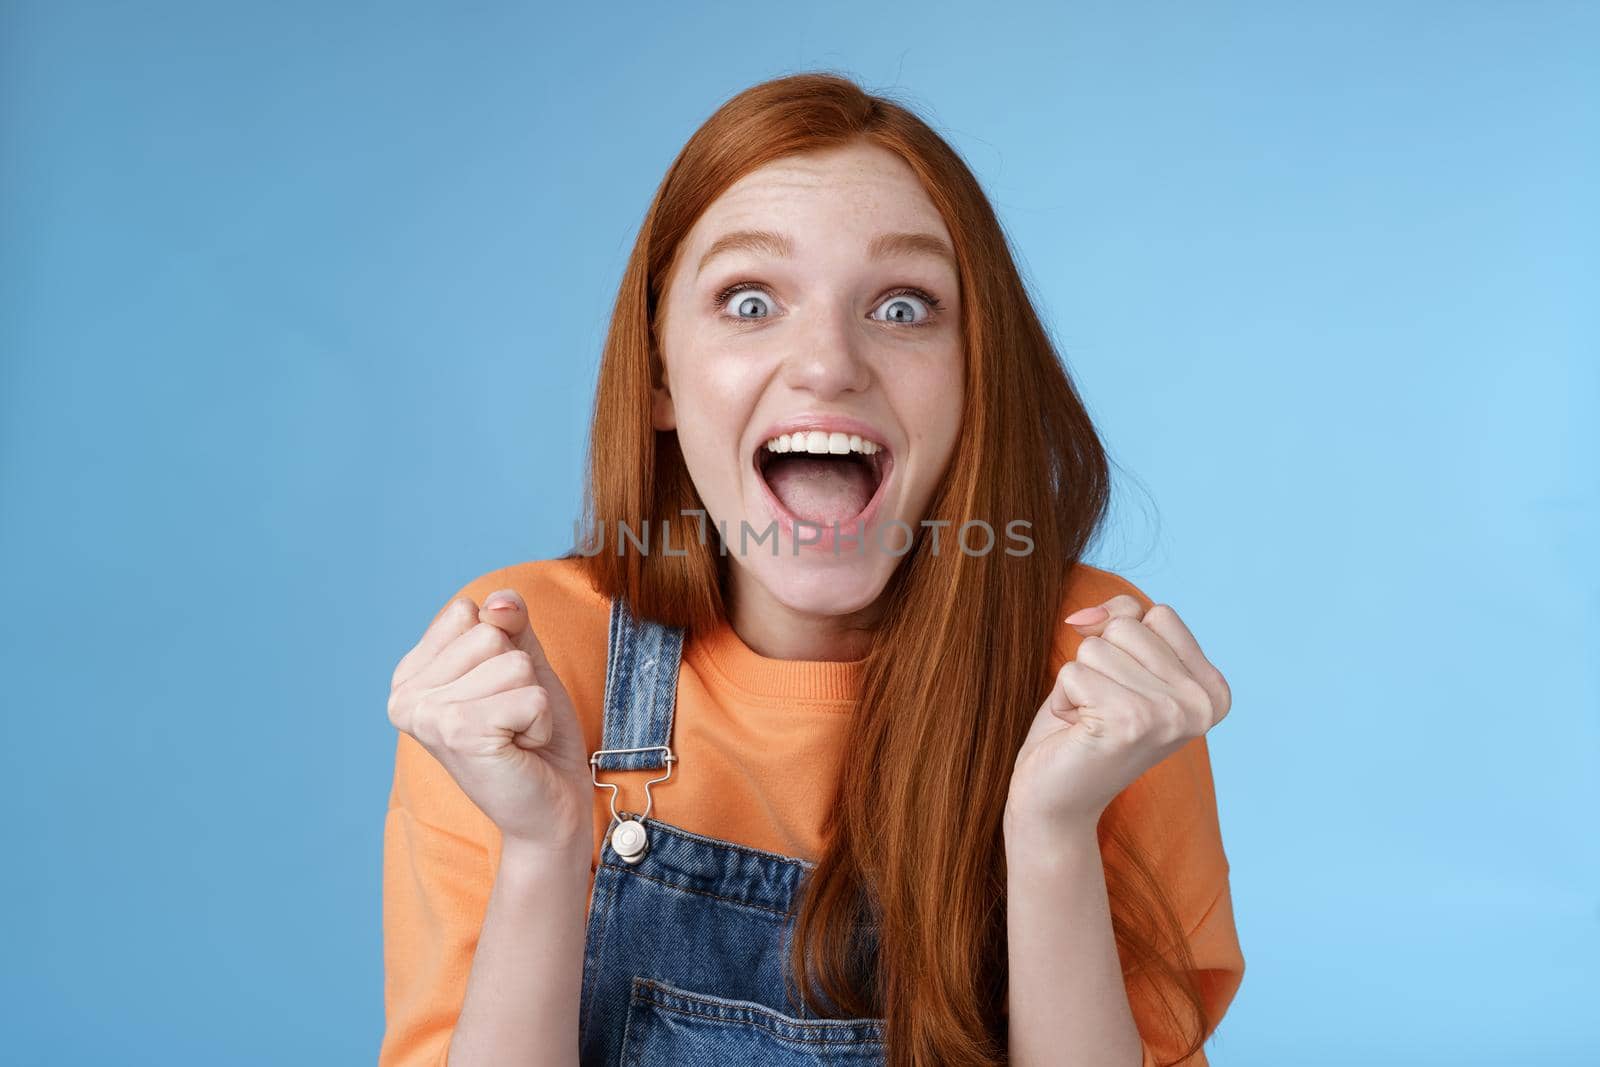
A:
[712,397]
[931,402]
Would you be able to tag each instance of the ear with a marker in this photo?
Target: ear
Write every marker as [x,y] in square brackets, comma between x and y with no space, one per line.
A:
[662,417]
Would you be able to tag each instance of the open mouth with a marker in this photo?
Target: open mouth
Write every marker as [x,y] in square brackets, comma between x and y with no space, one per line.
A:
[823,478]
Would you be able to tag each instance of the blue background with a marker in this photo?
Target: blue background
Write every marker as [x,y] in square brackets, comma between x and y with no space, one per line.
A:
[302,305]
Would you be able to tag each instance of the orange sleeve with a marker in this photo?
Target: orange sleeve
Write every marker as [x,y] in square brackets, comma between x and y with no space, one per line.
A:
[1170,811]
[439,856]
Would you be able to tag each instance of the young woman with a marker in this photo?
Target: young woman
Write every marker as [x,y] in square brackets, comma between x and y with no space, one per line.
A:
[823,746]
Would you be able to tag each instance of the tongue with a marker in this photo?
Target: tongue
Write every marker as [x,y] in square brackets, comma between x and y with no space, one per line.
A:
[820,490]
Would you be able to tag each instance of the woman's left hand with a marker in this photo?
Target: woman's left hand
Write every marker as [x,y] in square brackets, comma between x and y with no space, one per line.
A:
[1138,690]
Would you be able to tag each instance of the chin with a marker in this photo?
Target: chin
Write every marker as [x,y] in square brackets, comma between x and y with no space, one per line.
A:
[821,586]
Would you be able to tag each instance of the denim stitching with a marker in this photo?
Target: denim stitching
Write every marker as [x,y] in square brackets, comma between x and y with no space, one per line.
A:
[696,892]
[751,1015]
[750,850]
[599,925]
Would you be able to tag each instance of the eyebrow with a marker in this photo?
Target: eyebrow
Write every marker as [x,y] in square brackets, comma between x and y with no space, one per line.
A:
[883,246]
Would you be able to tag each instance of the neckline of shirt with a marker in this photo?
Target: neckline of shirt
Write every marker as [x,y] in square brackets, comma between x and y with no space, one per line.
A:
[828,685]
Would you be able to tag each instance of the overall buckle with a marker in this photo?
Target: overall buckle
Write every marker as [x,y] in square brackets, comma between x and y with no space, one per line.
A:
[628,837]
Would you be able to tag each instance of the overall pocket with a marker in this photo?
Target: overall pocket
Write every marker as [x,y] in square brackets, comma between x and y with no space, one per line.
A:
[668,1027]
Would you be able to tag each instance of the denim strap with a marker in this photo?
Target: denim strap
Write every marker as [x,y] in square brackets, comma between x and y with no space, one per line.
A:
[641,689]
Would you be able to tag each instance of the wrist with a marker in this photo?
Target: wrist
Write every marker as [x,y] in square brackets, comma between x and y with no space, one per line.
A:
[539,862]
[1030,836]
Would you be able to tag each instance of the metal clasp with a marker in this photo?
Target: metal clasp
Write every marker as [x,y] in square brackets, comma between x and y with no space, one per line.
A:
[628,836]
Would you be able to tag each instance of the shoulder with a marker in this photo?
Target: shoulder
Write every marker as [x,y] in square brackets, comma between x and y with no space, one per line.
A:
[1087,585]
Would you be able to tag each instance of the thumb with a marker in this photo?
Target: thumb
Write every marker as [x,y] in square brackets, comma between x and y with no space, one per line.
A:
[1056,710]
[504,608]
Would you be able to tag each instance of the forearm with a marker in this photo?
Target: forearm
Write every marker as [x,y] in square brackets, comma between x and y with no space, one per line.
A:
[1067,1002]
[521,1002]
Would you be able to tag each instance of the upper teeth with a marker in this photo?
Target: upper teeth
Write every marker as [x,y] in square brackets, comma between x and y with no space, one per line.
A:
[823,442]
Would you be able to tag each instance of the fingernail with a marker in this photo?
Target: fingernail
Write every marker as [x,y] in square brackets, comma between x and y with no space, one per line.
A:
[495,603]
[1087,616]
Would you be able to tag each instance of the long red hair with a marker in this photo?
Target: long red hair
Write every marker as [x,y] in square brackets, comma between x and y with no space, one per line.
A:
[961,663]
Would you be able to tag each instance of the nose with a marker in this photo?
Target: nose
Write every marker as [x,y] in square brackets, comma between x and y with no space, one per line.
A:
[828,359]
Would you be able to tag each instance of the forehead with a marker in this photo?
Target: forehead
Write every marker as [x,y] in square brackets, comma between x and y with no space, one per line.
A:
[861,189]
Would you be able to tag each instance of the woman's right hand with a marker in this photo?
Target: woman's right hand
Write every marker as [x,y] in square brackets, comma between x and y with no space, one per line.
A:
[478,693]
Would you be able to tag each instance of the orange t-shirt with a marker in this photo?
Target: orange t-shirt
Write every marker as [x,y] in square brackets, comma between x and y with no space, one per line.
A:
[759,745]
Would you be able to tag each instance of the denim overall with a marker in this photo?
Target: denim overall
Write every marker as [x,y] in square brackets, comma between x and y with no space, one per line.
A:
[687,943]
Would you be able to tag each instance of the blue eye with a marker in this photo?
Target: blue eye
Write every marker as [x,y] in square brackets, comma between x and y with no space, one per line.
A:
[752,299]
[898,303]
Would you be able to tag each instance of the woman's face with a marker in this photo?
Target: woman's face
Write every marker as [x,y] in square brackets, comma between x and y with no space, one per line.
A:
[814,370]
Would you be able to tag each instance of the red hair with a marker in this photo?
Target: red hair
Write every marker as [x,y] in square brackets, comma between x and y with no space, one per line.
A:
[961,663]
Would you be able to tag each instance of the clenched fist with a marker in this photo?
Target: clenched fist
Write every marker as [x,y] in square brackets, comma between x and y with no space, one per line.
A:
[478,693]
[1137,691]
